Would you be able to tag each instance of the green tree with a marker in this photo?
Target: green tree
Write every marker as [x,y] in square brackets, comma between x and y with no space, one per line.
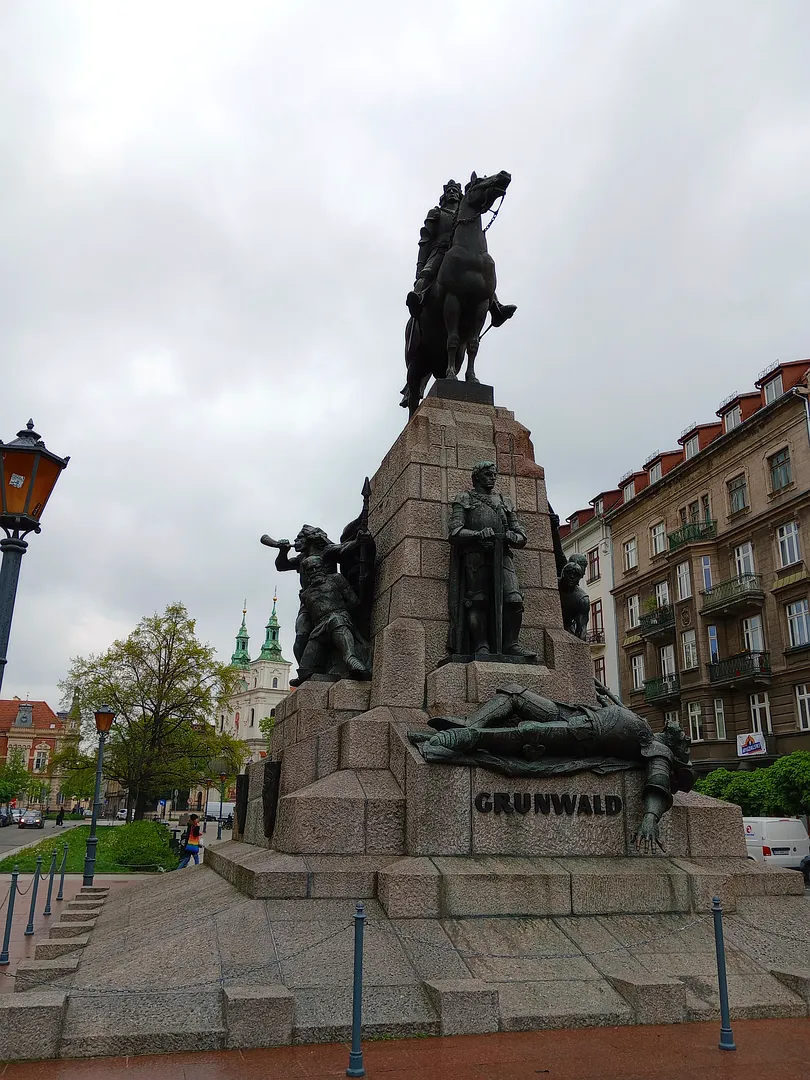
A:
[77,772]
[266,725]
[163,685]
[14,776]
[715,783]
[790,779]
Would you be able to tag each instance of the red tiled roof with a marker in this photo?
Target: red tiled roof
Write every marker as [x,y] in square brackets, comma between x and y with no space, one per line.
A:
[43,714]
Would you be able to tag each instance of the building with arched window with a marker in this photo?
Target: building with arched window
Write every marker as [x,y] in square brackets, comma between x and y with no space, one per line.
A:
[263,683]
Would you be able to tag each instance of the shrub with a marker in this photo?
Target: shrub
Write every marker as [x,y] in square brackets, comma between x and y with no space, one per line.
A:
[142,845]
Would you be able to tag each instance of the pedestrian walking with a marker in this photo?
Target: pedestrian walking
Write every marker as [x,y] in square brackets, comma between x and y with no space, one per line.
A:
[60,817]
[191,842]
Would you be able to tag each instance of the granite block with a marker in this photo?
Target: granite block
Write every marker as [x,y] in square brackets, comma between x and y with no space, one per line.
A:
[541,603]
[654,999]
[465,1006]
[33,974]
[71,929]
[418,598]
[78,916]
[273,874]
[364,740]
[254,824]
[52,950]
[409,889]
[399,665]
[715,827]
[326,818]
[438,810]
[95,907]
[299,765]
[796,979]
[615,886]
[519,815]
[446,690]
[258,1016]
[484,680]
[384,812]
[101,891]
[349,694]
[328,755]
[402,561]
[435,560]
[561,1003]
[673,827]
[31,1024]
[526,496]
[351,877]
[311,722]
[491,886]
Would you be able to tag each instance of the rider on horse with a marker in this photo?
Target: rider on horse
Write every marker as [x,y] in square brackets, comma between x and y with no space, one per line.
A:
[435,239]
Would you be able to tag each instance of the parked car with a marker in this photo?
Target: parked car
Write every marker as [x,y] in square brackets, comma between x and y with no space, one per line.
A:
[32,819]
[16,813]
[777,841]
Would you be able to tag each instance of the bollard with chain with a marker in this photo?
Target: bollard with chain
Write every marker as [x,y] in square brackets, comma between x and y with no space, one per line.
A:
[356,1054]
[47,910]
[726,1034]
[12,892]
[30,927]
[61,894]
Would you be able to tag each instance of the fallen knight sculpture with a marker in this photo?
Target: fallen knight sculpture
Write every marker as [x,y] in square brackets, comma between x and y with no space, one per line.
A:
[521,733]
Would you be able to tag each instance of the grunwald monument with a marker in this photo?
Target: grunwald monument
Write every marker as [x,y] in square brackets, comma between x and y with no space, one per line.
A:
[528,849]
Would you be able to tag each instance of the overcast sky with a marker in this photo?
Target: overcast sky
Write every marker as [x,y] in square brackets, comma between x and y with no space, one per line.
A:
[209,215]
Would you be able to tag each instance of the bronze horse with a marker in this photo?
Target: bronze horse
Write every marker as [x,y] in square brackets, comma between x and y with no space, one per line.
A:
[456,306]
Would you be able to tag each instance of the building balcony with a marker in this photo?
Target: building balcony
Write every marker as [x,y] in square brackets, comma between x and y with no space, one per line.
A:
[736,595]
[692,533]
[595,637]
[665,689]
[744,669]
[658,623]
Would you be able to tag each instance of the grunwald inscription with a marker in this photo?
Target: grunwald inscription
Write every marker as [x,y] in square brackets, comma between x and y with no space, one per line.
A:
[504,802]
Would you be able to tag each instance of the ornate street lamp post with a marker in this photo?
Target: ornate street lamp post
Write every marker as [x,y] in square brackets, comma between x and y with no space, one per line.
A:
[28,475]
[104,721]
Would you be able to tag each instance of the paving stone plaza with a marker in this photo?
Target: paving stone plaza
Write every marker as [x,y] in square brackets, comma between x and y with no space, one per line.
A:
[494,903]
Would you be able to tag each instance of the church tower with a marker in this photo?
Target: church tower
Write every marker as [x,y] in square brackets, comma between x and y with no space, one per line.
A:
[241,657]
[271,650]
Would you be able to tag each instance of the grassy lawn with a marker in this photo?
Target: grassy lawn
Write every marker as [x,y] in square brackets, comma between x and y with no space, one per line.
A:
[141,847]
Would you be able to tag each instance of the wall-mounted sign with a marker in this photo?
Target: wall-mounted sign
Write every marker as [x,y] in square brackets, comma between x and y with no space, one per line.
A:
[751,745]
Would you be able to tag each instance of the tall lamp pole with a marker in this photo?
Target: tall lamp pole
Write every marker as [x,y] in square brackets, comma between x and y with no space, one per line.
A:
[28,475]
[205,811]
[104,721]
[222,778]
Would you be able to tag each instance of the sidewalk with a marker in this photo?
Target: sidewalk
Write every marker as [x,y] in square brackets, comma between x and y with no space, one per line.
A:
[768,1050]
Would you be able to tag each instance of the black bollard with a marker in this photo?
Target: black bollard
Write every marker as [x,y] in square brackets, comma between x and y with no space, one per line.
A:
[61,894]
[12,892]
[356,1054]
[35,887]
[726,1034]
[47,910]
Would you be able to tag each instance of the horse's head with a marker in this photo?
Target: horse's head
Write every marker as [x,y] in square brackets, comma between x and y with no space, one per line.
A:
[482,191]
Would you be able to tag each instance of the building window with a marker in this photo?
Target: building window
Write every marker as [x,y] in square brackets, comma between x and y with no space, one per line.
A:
[637,671]
[252,716]
[222,723]
[630,549]
[597,624]
[760,712]
[706,567]
[689,645]
[599,670]
[275,683]
[779,464]
[693,511]
[655,473]
[753,638]
[272,712]
[573,522]
[803,705]
[658,538]
[691,447]
[773,389]
[40,760]
[662,593]
[737,494]
[598,507]
[672,717]
[744,558]
[632,611]
[719,718]
[629,490]
[714,651]
[684,578]
[695,722]
[798,617]
[254,683]
[667,654]
[787,536]
[593,564]
[733,418]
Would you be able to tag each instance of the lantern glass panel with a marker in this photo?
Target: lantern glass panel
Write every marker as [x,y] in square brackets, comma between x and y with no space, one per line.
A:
[44,483]
[18,467]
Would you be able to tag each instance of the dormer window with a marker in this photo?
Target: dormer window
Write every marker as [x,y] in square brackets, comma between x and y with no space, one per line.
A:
[732,419]
[629,490]
[598,507]
[691,447]
[773,389]
[574,521]
[655,473]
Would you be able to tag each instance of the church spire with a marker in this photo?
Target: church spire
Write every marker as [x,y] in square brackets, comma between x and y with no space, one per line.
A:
[241,657]
[271,650]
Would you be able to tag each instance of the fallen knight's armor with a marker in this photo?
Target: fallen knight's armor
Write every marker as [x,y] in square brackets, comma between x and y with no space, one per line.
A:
[521,733]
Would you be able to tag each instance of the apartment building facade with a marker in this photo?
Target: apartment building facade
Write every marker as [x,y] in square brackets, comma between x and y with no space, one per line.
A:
[587,533]
[711,549]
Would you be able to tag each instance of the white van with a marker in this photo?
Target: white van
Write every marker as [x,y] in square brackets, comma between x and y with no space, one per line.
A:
[778,841]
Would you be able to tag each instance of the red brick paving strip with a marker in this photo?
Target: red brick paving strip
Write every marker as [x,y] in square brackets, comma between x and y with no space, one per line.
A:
[767,1050]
